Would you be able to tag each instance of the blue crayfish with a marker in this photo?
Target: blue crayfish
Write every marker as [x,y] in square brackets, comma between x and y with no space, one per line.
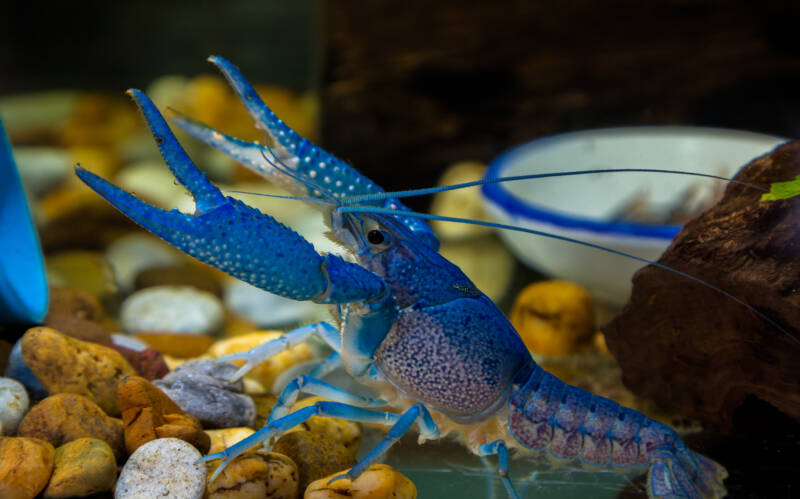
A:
[408,322]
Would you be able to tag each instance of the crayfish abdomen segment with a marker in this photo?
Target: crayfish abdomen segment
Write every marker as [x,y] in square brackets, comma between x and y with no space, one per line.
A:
[459,357]
[570,424]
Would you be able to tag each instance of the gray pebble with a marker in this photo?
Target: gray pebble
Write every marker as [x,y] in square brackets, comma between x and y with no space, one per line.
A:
[201,389]
[18,370]
[164,467]
[13,405]
[176,309]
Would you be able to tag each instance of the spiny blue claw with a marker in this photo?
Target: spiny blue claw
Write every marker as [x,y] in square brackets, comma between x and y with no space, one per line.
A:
[226,460]
[127,203]
[233,238]
[263,115]
[206,195]
[211,457]
[224,233]
[236,238]
[325,173]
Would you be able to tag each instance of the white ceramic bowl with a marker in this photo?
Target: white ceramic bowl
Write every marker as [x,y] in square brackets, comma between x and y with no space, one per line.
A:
[579,206]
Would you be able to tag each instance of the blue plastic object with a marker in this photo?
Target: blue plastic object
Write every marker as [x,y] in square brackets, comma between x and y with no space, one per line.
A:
[23,285]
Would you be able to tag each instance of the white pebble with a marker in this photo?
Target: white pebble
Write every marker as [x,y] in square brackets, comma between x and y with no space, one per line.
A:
[130,342]
[42,168]
[14,404]
[164,467]
[265,309]
[151,181]
[176,309]
[136,252]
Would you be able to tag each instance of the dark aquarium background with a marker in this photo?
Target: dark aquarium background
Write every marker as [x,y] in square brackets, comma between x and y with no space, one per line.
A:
[408,87]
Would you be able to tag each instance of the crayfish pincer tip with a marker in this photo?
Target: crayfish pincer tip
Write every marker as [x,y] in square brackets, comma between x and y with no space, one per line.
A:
[133,93]
[343,476]
[216,60]
[210,457]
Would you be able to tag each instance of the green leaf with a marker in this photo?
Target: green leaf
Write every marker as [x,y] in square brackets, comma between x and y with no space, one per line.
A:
[783,190]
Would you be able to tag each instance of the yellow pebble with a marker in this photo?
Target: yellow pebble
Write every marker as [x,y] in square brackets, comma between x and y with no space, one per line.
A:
[254,474]
[379,481]
[345,432]
[88,271]
[485,260]
[66,201]
[553,317]
[99,119]
[460,203]
[210,100]
[265,402]
[236,326]
[102,161]
[599,342]
[267,371]
[224,438]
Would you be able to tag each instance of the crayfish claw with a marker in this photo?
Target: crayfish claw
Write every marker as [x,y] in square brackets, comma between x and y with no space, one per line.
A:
[211,457]
[150,217]
[226,459]
[242,371]
[249,364]
[264,117]
[232,356]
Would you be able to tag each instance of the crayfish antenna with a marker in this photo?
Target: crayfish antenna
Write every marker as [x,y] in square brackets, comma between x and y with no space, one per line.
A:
[367,198]
[388,211]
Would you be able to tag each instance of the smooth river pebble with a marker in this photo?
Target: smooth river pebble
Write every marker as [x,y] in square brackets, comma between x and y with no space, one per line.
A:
[255,475]
[178,309]
[93,370]
[25,467]
[13,404]
[82,467]
[379,481]
[162,468]
[65,417]
[267,309]
[17,369]
[136,252]
[148,414]
[201,389]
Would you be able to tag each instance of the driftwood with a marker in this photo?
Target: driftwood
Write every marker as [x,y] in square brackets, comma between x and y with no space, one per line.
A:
[697,352]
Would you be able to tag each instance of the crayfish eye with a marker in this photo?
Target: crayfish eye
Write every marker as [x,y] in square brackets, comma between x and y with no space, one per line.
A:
[375,237]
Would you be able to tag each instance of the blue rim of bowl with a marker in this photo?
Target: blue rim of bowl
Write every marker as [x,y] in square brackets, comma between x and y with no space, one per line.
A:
[518,208]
